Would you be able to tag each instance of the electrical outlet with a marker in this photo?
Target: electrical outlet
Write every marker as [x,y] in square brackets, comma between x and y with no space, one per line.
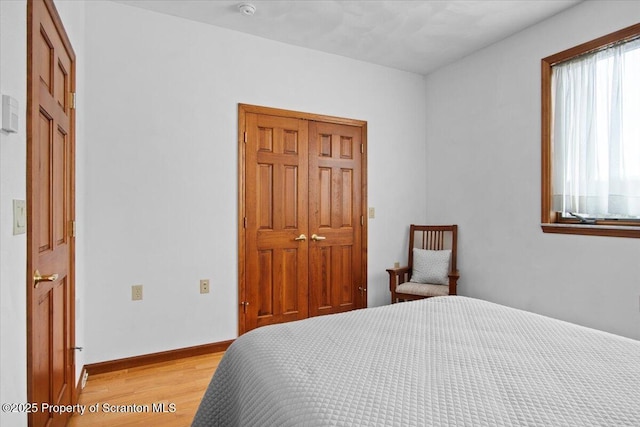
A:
[396,264]
[372,213]
[204,286]
[136,292]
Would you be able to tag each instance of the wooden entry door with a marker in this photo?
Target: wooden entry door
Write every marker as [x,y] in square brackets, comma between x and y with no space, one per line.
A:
[50,214]
[302,224]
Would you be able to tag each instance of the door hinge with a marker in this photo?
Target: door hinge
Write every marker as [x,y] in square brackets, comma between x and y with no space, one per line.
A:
[362,220]
[362,148]
[244,305]
[245,222]
[72,100]
[73,228]
[245,137]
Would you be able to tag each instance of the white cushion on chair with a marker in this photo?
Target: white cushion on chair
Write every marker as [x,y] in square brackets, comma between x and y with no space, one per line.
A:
[431,266]
[422,289]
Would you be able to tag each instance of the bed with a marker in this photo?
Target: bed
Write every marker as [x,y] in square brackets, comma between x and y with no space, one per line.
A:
[444,361]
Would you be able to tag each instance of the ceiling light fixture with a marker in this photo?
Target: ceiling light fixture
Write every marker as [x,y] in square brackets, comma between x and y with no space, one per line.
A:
[247,9]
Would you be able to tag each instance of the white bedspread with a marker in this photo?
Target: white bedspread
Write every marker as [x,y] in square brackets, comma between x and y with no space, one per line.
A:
[447,361]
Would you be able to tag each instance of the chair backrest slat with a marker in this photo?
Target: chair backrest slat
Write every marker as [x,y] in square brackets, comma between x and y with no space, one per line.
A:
[435,238]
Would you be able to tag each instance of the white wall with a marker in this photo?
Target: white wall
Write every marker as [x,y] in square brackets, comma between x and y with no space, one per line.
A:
[483,172]
[13,184]
[13,258]
[161,171]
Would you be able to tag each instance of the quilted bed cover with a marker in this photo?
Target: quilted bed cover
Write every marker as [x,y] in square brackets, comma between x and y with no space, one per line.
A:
[445,361]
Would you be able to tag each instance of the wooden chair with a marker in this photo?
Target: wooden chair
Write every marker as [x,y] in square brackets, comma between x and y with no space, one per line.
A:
[427,238]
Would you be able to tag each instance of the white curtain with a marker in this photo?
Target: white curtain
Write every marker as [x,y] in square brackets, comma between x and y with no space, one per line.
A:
[596,133]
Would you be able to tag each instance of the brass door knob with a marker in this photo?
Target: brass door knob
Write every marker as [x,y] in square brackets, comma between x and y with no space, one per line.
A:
[301,237]
[316,237]
[37,278]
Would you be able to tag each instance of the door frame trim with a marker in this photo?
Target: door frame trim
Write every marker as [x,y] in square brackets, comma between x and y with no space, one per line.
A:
[243,110]
[32,114]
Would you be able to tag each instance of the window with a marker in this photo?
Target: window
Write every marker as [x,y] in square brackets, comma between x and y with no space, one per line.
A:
[591,137]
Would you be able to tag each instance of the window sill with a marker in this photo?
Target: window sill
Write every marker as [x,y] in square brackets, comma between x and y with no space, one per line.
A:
[592,230]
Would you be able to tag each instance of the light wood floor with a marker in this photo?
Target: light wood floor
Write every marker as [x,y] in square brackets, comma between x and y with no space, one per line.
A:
[178,384]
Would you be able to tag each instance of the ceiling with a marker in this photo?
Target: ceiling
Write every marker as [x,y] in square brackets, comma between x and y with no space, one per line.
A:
[415,36]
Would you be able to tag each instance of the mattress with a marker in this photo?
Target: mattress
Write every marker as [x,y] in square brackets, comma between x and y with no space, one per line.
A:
[444,361]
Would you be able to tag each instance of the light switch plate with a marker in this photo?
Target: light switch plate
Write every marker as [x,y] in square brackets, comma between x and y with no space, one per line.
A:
[19,217]
[372,213]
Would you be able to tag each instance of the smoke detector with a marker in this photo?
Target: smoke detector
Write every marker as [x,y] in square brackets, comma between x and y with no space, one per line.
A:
[247,9]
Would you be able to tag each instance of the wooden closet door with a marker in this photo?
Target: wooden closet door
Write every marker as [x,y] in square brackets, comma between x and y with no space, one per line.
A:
[335,217]
[276,215]
[302,229]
